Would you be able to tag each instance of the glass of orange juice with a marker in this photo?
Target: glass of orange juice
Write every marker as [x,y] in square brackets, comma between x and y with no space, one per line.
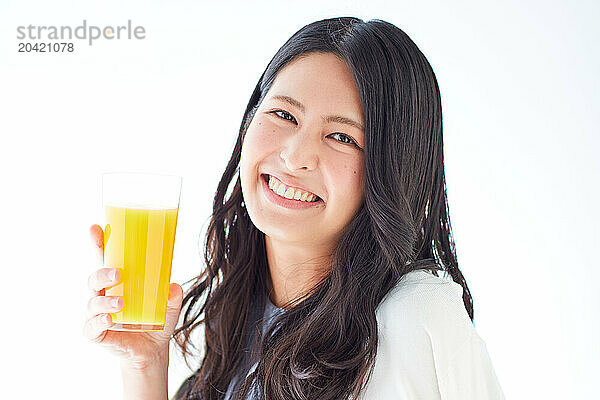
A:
[139,235]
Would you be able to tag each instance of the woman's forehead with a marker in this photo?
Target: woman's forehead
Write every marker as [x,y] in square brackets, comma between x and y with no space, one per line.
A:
[322,81]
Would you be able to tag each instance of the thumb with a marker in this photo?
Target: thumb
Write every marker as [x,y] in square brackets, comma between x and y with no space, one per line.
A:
[173,308]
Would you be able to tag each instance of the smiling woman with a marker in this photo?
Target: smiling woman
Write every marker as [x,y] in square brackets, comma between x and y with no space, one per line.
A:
[305,151]
[321,277]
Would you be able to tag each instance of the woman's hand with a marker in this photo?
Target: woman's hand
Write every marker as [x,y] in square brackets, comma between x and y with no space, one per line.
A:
[137,350]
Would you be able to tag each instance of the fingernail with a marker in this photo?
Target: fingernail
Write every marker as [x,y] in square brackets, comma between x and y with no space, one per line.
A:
[107,318]
[115,302]
[113,275]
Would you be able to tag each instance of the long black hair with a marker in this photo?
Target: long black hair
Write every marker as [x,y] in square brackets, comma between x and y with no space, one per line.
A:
[324,347]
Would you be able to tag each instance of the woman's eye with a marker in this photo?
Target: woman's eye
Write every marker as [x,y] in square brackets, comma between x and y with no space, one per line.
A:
[350,140]
[285,115]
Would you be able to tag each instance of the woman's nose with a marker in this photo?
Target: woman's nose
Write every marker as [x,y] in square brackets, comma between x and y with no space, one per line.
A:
[300,151]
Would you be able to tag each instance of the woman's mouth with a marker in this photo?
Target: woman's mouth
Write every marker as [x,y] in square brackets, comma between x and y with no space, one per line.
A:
[288,196]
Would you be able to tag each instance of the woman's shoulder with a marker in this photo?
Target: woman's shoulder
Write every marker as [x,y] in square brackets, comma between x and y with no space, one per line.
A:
[422,300]
[427,344]
[423,284]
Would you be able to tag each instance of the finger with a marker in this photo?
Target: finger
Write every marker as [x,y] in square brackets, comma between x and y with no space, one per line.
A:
[173,307]
[95,328]
[97,236]
[103,278]
[103,304]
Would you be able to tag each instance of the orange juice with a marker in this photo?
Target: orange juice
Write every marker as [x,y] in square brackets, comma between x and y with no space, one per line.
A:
[139,242]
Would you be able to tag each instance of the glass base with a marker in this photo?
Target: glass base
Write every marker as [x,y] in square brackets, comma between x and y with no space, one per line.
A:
[136,327]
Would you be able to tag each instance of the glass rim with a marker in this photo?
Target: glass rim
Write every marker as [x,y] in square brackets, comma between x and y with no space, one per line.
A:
[144,190]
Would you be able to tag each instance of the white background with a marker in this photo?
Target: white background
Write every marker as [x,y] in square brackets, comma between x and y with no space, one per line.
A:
[520,94]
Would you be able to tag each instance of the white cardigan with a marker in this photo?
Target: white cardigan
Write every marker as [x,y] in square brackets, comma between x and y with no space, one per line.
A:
[428,347]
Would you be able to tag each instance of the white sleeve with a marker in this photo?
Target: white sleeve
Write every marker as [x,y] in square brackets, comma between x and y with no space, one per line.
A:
[429,348]
[463,366]
[470,374]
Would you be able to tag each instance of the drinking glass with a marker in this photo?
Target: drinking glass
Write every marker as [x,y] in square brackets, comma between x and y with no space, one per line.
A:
[139,236]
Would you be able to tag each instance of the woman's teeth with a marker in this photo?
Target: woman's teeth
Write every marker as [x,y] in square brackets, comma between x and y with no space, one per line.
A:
[289,192]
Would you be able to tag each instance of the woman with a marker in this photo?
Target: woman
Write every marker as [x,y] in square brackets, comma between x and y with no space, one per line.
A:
[321,278]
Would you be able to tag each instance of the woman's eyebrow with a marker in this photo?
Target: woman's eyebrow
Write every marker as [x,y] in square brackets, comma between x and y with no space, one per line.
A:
[329,118]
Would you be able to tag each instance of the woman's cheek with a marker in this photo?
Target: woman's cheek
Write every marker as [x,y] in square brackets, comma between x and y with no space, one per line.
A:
[352,174]
[264,136]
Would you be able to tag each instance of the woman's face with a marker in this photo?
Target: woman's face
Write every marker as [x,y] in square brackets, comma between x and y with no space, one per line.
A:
[312,141]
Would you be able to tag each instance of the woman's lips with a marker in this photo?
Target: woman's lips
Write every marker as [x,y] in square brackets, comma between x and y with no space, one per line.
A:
[284,202]
[266,177]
